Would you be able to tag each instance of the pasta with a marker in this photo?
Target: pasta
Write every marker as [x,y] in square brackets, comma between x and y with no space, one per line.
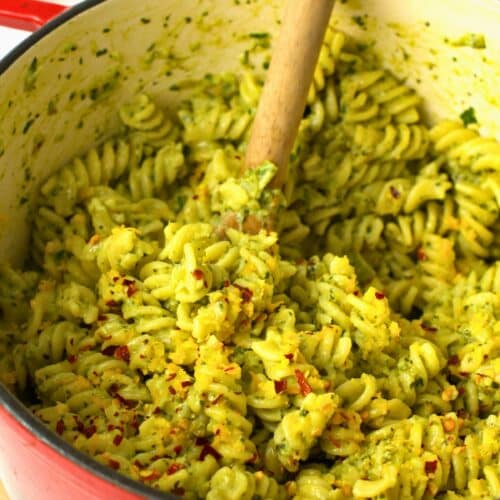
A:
[206,335]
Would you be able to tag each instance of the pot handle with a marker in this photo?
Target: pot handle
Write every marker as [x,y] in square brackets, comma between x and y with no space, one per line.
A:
[28,15]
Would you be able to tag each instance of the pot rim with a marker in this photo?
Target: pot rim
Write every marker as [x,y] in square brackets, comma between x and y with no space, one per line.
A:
[8,401]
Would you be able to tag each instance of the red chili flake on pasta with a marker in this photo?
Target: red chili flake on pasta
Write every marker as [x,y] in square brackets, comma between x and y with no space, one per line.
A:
[122,353]
[90,431]
[463,374]
[379,295]
[117,439]
[461,391]
[421,255]
[112,303]
[201,441]
[128,403]
[289,355]
[431,466]
[113,464]
[453,360]
[115,278]
[60,427]
[226,283]
[171,376]
[102,317]
[280,386]
[335,442]
[246,294]
[198,274]
[394,192]
[428,328]
[217,399]
[135,422]
[195,196]
[72,358]
[178,449]
[305,388]
[131,289]
[357,293]
[110,350]
[172,390]
[229,368]
[209,450]
[186,383]
[153,474]
[175,467]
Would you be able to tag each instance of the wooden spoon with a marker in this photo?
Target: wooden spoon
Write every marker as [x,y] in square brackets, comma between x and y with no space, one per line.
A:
[287,84]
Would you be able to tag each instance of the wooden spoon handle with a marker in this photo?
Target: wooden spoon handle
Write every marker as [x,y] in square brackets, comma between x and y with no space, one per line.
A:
[289,77]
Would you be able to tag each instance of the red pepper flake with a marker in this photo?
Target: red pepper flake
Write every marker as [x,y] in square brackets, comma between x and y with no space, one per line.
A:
[246,294]
[128,282]
[379,295]
[280,386]
[102,317]
[171,376]
[217,399]
[394,192]
[208,450]
[90,431]
[198,274]
[305,388]
[186,383]
[112,303]
[157,411]
[174,468]
[115,278]
[117,439]
[461,391]
[454,360]
[428,328]
[226,283]
[178,449]
[421,255]
[195,196]
[113,464]
[131,290]
[135,422]
[179,491]
[201,441]
[122,353]
[72,358]
[110,350]
[172,390]
[154,474]
[289,356]
[335,442]
[229,368]
[463,374]
[431,466]
[128,403]
[357,293]
[60,427]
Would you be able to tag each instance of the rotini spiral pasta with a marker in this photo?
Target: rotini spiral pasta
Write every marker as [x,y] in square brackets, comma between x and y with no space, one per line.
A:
[194,329]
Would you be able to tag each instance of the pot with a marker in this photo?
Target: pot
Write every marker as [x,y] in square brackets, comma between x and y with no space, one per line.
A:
[60,90]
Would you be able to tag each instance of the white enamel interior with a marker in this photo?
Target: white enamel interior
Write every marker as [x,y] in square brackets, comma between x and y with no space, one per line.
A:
[410,37]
